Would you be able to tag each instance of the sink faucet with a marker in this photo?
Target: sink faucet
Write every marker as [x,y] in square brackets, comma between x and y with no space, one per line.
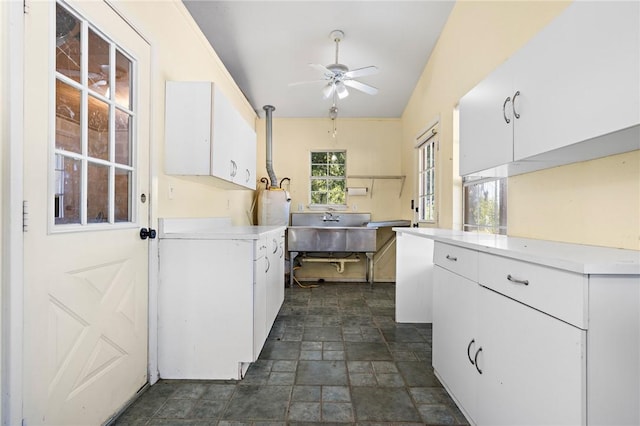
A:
[329,217]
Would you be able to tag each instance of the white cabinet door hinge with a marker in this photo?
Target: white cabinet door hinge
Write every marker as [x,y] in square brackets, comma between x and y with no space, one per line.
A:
[25,216]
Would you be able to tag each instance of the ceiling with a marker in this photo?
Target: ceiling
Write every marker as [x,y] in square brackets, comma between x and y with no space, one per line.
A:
[266,45]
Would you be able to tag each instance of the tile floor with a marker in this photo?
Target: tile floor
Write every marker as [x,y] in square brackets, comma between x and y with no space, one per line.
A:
[334,355]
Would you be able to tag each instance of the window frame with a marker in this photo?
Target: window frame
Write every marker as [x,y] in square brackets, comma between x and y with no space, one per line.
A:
[426,193]
[343,178]
[58,155]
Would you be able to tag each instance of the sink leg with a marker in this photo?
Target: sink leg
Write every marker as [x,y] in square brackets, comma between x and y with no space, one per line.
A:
[369,267]
[292,258]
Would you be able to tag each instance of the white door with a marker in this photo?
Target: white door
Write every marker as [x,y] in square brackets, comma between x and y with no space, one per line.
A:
[85,172]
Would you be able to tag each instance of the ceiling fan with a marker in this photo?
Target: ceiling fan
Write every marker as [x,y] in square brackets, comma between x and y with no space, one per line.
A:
[338,75]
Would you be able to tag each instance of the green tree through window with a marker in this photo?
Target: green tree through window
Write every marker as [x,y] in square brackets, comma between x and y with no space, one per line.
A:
[328,177]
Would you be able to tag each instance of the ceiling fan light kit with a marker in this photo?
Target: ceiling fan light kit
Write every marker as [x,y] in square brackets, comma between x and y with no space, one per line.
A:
[338,77]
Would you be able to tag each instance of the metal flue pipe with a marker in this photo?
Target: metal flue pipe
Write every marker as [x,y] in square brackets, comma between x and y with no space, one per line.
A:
[272,175]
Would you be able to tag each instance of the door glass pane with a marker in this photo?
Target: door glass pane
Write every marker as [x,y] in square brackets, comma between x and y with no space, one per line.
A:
[123,80]
[123,138]
[98,133]
[98,75]
[67,195]
[123,192]
[97,193]
[68,135]
[68,44]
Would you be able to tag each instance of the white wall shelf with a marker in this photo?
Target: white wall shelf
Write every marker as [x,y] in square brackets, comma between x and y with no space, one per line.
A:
[373,178]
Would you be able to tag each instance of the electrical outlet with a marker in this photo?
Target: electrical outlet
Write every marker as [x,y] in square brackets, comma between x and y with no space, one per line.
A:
[355,207]
[300,207]
[171,191]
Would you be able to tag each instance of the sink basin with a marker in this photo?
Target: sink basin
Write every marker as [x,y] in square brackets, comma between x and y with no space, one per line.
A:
[331,239]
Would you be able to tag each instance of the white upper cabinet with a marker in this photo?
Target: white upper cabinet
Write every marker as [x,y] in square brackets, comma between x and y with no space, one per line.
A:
[577,80]
[206,136]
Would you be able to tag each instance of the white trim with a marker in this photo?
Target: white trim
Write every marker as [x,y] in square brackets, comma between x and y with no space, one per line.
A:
[432,126]
[12,197]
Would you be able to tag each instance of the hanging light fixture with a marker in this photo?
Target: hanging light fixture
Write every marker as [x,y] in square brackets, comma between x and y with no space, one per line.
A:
[333,115]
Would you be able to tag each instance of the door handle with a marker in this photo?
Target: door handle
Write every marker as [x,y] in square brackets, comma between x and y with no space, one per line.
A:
[147,233]
[504,114]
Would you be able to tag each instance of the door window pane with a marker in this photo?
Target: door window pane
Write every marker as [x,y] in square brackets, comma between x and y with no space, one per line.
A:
[98,75]
[68,137]
[98,129]
[67,196]
[68,44]
[97,193]
[123,138]
[123,194]
[123,80]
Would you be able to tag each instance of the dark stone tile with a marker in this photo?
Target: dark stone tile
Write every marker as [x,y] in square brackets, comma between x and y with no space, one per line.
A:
[336,393]
[220,392]
[190,391]
[180,422]
[280,350]
[281,378]
[304,411]
[339,412]
[311,355]
[362,379]
[258,403]
[390,380]
[306,393]
[370,351]
[321,373]
[437,415]
[284,366]
[331,355]
[418,374]
[429,395]
[176,408]
[311,346]
[383,404]
[322,334]
[404,334]
[208,409]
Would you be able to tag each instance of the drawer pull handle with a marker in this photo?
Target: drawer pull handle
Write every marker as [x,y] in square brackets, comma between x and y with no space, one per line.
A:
[451,258]
[475,359]
[468,348]
[517,281]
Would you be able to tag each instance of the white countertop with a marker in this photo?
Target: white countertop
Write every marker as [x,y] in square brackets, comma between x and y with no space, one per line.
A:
[578,258]
[210,229]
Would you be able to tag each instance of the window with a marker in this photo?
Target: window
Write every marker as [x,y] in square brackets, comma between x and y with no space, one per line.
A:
[93,165]
[427,146]
[485,206]
[328,178]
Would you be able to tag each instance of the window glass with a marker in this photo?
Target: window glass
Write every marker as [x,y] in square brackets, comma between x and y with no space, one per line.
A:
[427,176]
[485,206]
[328,178]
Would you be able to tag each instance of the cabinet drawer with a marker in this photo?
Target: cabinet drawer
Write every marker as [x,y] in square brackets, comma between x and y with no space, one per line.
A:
[558,293]
[458,260]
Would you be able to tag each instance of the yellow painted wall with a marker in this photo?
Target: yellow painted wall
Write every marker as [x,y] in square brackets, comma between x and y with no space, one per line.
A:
[595,202]
[181,52]
[372,147]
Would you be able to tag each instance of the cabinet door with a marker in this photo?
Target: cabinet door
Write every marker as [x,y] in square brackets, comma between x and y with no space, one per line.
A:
[454,336]
[188,128]
[486,130]
[579,78]
[259,305]
[245,155]
[224,137]
[414,279]
[533,365]
[275,276]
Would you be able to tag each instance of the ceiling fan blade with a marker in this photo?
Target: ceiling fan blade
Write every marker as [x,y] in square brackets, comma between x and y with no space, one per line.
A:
[327,91]
[341,90]
[322,69]
[361,72]
[361,87]
[307,82]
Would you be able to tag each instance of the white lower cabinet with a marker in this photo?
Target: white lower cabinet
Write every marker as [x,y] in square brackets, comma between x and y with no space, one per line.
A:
[505,363]
[414,280]
[217,301]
